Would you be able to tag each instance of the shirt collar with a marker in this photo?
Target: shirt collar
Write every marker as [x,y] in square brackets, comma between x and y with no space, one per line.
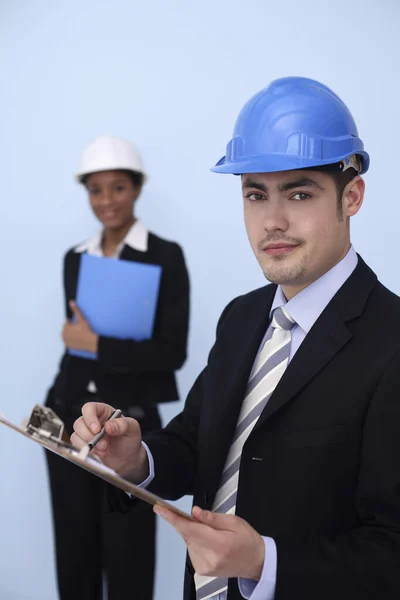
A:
[307,305]
[137,238]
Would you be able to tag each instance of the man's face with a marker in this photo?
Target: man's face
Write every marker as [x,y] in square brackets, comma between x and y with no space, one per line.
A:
[294,226]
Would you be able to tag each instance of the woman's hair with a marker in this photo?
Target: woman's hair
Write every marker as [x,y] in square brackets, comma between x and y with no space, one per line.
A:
[136,177]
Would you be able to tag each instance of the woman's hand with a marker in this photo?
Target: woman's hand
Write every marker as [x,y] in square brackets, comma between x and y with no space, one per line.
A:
[77,334]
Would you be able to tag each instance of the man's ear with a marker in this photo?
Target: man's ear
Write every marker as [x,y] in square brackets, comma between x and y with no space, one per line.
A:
[353,196]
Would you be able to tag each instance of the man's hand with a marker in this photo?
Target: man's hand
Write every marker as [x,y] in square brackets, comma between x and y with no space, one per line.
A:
[121,449]
[78,334]
[219,545]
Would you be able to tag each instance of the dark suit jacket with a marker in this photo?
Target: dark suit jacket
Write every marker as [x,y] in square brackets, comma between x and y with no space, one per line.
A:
[320,472]
[127,372]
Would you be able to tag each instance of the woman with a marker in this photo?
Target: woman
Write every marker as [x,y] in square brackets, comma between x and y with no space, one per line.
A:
[135,375]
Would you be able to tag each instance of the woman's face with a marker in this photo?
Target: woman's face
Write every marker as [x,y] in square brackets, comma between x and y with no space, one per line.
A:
[112,195]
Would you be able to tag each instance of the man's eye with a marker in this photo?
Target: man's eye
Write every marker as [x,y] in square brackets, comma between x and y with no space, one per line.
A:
[119,188]
[301,196]
[254,197]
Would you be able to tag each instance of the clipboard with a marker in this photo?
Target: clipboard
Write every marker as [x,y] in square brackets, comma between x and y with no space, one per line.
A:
[52,438]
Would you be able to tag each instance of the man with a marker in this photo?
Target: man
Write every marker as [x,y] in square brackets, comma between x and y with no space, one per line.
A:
[289,438]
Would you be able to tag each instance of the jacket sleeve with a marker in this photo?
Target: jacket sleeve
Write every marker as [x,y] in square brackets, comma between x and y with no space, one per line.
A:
[363,562]
[68,314]
[174,448]
[166,350]
[68,280]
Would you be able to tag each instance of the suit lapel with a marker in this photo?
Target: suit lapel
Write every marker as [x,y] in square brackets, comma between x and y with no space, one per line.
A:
[242,358]
[326,338]
[131,254]
[238,360]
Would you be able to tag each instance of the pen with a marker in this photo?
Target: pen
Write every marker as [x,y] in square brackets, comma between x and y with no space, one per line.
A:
[90,445]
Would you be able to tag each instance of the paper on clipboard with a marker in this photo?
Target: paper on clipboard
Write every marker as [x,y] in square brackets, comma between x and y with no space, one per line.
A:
[92,465]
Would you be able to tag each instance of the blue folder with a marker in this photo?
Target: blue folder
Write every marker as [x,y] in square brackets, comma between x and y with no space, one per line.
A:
[117,297]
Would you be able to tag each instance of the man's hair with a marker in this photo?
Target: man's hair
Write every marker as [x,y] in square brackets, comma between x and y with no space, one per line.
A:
[340,178]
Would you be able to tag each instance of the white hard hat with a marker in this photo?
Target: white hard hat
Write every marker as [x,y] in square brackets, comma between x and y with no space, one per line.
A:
[108,153]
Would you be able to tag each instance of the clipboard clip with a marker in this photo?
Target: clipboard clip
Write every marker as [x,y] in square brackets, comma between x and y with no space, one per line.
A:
[44,424]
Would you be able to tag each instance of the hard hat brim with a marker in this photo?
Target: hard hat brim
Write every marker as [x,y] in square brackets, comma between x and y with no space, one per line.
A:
[273,163]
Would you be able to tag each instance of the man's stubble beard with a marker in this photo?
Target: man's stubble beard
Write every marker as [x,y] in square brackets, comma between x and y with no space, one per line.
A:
[277,272]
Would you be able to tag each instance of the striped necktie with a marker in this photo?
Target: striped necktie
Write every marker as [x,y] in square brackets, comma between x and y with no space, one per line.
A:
[268,369]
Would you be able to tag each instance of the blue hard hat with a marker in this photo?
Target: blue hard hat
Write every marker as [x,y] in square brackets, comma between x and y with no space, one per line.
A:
[294,123]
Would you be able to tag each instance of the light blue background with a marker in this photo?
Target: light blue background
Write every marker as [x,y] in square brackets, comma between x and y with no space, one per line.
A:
[171,76]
